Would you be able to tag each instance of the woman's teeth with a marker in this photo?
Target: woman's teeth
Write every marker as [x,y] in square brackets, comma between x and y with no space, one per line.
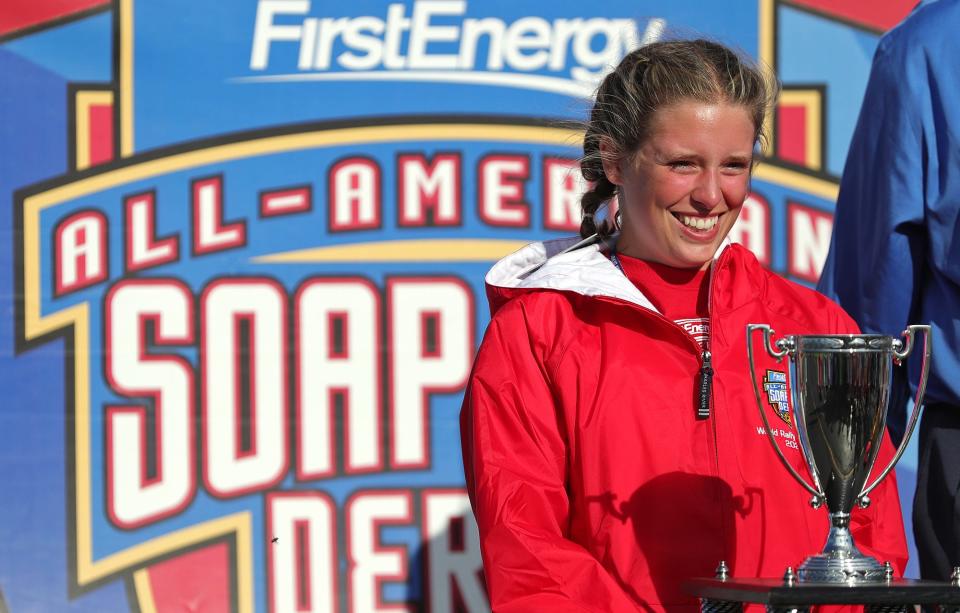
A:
[698,223]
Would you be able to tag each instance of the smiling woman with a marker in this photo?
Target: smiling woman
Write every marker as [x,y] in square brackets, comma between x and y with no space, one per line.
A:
[597,484]
[682,190]
[673,129]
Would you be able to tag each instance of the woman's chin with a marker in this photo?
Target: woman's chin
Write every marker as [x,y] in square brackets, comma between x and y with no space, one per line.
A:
[698,256]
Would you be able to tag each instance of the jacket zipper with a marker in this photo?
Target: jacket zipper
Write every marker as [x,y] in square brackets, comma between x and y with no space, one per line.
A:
[705,385]
[707,396]
[706,359]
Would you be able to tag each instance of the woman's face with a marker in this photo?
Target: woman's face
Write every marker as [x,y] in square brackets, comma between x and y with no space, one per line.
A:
[682,189]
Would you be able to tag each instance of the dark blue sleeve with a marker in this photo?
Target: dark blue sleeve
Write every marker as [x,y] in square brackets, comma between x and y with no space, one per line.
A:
[879,241]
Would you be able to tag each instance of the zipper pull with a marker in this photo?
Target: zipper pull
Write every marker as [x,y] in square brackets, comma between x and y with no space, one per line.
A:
[704,386]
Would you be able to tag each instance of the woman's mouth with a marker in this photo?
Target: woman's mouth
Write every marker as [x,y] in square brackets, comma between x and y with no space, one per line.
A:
[703,224]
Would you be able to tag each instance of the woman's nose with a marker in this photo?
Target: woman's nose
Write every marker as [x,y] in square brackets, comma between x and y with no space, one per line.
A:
[706,192]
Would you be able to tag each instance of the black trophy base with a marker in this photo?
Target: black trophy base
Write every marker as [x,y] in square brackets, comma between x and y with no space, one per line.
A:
[890,596]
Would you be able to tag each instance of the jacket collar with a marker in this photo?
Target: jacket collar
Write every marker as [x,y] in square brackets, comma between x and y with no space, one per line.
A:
[558,265]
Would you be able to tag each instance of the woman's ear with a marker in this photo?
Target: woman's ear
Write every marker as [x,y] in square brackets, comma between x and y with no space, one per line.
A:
[610,158]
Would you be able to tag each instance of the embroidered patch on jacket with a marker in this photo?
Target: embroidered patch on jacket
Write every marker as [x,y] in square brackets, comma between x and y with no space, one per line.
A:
[775,385]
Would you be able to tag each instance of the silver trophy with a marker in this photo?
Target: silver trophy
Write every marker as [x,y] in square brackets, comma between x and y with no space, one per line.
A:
[840,386]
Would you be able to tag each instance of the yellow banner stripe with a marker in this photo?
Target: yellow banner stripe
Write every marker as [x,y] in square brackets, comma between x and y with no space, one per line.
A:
[428,250]
[815,186]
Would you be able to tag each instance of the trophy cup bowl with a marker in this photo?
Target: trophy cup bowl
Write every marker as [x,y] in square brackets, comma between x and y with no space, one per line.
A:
[840,387]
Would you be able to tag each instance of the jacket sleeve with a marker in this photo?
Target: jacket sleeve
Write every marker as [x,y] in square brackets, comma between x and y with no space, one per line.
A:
[878,529]
[879,240]
[515,460]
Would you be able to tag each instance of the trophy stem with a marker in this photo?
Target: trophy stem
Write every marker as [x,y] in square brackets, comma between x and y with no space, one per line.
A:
[839,540]
[840,561]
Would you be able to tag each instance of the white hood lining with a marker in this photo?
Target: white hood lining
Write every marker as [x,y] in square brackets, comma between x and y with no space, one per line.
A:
[584,271]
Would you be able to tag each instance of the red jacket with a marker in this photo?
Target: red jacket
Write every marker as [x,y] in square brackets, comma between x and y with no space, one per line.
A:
[595,485]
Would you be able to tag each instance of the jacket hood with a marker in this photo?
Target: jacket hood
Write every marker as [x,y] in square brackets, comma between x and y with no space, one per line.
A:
[565,264]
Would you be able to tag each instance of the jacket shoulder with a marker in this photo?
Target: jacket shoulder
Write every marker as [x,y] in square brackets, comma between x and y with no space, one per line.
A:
[543,318]
[806,307]
[536,298]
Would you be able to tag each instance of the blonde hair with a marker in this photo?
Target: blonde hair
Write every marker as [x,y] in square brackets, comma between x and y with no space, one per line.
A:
[655,76]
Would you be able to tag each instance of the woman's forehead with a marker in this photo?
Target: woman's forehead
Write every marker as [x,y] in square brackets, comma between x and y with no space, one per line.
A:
[695,122]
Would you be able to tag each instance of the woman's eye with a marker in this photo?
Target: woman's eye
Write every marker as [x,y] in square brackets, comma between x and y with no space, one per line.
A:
[681,164]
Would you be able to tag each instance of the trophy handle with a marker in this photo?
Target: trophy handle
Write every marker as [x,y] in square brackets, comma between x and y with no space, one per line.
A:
[778,350]
[901,349]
